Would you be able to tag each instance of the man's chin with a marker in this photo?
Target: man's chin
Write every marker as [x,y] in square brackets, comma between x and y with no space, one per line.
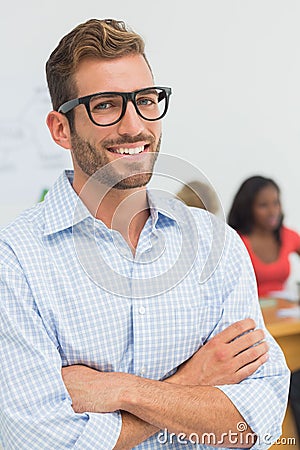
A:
[133,182]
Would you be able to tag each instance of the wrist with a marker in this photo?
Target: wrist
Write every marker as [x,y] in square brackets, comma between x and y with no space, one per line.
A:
[178,378]
[113,387]
[128,392]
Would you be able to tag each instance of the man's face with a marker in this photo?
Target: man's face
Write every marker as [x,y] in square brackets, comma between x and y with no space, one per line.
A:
[93,147]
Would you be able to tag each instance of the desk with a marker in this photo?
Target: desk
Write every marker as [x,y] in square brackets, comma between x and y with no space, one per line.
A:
[286,331]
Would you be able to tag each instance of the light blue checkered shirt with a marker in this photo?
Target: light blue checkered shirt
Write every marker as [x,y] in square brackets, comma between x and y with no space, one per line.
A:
[72,293]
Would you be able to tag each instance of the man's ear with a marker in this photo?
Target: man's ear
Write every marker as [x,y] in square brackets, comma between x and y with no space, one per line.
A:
[59,128]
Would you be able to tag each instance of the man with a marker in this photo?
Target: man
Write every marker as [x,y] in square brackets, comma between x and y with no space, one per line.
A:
[111,337]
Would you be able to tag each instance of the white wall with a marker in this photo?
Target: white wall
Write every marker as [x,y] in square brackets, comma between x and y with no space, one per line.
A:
[234,67]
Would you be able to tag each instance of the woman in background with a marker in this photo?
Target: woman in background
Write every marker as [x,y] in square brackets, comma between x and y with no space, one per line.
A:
[257,216]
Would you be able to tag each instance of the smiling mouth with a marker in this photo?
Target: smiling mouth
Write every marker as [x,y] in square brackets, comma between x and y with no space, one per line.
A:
[128,151]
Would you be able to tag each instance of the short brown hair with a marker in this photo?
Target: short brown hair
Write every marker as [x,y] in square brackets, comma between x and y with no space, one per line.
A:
[107,38]
[200,195]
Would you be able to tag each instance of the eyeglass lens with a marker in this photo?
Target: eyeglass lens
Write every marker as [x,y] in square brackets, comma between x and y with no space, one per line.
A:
[106,109]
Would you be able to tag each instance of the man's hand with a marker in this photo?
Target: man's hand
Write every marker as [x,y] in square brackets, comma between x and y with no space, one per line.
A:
[92,390]
[228,358]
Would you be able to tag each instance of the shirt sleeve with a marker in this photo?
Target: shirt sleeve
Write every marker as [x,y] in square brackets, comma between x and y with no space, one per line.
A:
[261,398]
[292,239]
[35,407]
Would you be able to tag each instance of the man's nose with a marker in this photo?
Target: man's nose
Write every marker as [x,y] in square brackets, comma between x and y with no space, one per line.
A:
[131,123]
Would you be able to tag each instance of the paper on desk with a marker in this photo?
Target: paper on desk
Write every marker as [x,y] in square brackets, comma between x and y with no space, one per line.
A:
[286,295]
[267,302]
[289,312]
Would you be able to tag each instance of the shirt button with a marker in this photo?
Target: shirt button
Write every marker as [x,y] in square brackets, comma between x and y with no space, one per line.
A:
[142,310]
[143,371]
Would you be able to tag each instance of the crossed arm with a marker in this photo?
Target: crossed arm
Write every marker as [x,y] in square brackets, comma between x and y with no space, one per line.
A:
[187,402]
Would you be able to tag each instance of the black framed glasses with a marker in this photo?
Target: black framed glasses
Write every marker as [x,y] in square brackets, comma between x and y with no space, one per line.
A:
[107,108]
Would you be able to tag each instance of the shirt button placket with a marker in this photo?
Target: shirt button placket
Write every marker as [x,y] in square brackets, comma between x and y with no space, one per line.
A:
[139,341]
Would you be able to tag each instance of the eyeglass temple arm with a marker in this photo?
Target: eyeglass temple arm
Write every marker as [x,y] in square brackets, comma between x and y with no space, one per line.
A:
[66,107]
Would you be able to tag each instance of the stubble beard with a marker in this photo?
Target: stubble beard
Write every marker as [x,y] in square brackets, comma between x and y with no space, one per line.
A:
[117,174]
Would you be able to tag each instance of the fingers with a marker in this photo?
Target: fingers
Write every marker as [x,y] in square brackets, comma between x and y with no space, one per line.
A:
[251,354]
[247,340]
[249,369]
[252,364]
[236,329]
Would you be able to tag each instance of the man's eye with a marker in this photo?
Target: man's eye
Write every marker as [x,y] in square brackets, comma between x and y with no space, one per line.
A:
[102,106]
[147,101]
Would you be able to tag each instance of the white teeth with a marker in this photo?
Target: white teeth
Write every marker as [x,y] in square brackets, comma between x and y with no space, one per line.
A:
[129,151]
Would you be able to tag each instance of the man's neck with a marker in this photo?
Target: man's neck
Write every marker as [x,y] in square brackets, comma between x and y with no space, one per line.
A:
[123,210]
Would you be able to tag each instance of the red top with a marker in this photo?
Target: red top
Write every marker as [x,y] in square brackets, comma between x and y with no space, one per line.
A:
[272,276]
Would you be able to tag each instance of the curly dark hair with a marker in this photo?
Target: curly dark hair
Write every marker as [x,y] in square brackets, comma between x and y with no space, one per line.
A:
[240,216]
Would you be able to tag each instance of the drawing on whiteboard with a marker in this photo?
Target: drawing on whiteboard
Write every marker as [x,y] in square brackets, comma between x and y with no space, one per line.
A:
[30,161]
[48,153]
[11,137]
[29,131]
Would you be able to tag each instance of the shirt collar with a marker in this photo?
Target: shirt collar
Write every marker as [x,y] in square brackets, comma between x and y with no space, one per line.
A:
[161,207]
[64,208]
